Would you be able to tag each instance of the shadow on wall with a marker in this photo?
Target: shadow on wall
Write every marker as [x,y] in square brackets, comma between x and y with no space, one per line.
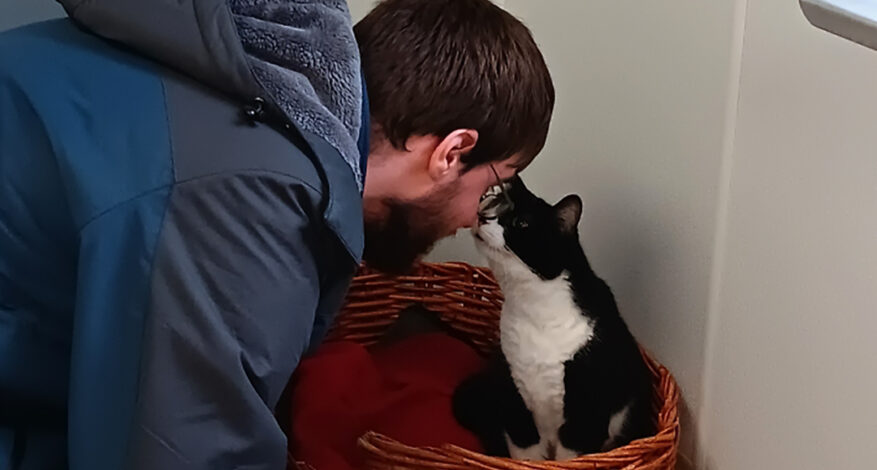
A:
[688,425]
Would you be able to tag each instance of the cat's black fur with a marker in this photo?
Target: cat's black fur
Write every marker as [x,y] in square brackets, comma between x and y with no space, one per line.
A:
[601,378]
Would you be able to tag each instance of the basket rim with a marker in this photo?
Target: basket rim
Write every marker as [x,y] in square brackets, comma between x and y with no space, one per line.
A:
[663,445]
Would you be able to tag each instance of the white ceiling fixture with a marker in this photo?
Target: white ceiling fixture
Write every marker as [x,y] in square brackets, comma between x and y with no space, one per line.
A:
[855,20]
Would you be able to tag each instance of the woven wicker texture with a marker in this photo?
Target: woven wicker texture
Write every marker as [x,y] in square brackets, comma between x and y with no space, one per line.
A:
[469,300]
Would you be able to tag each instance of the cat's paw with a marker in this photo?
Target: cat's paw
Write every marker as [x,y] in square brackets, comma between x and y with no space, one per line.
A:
[565,454]
[535,452]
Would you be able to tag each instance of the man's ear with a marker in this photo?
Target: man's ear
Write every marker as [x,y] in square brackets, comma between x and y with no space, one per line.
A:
[568,211]
[447,158]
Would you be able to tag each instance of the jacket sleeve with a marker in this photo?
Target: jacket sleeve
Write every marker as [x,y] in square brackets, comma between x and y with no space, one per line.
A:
[233,289]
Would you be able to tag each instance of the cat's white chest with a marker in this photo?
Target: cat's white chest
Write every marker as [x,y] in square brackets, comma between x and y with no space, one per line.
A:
[541,328]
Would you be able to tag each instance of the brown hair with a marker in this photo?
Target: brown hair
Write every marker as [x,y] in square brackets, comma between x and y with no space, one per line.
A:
[433,66]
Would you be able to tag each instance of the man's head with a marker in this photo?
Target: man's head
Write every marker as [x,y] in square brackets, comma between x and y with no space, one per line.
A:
[460,96]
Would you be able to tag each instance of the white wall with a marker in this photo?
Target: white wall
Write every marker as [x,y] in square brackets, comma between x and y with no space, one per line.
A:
[359,8]
[792,374]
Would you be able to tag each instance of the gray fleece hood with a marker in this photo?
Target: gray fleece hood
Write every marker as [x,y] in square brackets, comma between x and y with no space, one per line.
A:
[299,56]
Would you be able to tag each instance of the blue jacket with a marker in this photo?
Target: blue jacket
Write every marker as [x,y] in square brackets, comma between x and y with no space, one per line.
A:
[180,217]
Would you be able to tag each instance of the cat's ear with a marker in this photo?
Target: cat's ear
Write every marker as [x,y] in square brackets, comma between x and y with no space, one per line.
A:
[568,211]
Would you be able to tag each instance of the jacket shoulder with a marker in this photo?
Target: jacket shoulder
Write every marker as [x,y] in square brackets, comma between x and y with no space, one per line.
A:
[210,134]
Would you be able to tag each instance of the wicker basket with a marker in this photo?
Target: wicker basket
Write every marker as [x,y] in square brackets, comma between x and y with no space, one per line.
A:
[469,300]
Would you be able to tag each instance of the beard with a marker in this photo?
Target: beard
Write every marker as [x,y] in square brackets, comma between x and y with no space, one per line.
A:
[408,231]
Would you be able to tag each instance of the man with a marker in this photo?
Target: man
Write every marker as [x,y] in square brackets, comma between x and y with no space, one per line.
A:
[184,199]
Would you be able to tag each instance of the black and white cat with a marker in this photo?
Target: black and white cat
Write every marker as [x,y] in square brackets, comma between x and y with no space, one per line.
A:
[570,379]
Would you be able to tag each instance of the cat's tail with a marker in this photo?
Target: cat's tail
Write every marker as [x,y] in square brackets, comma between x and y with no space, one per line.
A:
[641,420]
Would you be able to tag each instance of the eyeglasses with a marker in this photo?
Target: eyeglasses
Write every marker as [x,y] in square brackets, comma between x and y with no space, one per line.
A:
[496,200]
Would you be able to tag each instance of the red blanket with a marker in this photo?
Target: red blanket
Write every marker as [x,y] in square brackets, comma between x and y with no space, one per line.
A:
[402,390]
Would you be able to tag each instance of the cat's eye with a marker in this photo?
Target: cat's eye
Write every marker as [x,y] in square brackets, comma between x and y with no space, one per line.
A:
[520,222]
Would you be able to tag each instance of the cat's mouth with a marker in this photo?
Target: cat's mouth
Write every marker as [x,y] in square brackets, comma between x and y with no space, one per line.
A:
[485,244]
